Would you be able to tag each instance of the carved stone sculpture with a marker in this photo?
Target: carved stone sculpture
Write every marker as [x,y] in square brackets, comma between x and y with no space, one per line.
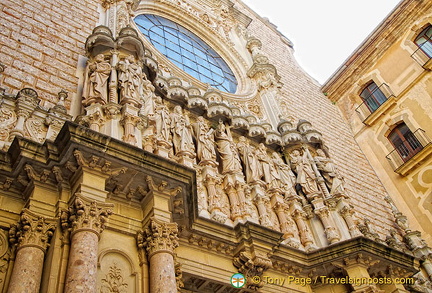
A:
[305,174]
[130,79]
[251,165]
[97,73]
[162,120]
[333,179]
[227,151]
[181,132]
[283,173]
[148,97]
[204,136]
[264,162]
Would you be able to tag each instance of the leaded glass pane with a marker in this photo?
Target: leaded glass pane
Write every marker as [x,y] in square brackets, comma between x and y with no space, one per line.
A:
[187,51]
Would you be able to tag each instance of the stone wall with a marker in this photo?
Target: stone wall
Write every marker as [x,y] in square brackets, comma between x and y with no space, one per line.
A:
[302,98]
[40,42]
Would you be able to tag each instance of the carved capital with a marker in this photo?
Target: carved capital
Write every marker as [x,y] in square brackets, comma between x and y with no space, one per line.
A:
[251,266]
[32,230]
[107,3]
[86,215]
[158,237]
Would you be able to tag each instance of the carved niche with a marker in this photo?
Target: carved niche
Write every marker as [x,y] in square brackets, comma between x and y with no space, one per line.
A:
[116,273]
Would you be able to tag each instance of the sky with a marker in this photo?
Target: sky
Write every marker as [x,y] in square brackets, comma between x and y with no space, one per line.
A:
[324,32]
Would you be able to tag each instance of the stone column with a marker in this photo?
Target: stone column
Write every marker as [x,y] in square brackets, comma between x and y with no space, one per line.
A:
[32,235]
[240,187]
[87,220]
[113,96]
[236,214]
[321,210]
[129,122]
[347,213]
[95,120]
[159,240]
[299,216]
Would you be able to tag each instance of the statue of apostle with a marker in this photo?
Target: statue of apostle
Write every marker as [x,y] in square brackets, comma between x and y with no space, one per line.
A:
[227,150]
[97,74]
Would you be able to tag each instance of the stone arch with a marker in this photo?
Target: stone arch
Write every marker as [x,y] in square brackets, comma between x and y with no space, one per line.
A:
[207,33]
[408,41]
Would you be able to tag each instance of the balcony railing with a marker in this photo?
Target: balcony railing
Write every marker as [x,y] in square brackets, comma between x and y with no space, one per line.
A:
[423,54]
[413,144]
[374,101]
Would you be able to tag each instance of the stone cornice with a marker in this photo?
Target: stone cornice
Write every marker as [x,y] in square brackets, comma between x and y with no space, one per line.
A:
[252,238]
[376,44]
[77,147]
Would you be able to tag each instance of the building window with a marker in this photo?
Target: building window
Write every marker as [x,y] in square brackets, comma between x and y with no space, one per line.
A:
[373,97]
[187,51]
[405,142]
[424,41]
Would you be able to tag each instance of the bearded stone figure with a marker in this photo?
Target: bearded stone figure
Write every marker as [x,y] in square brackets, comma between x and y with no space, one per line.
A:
[204,136]
[181,132]
[98,72]
[282,173]
[305,174]
[328,170]
[130,77]
[227,151]
[251,166]
[162,120]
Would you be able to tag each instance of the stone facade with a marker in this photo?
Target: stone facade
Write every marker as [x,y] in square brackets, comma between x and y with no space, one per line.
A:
[142,178]
[399,64]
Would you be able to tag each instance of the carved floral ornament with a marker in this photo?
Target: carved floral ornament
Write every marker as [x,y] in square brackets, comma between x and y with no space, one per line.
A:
[158,237]
[85,214]
[32,230]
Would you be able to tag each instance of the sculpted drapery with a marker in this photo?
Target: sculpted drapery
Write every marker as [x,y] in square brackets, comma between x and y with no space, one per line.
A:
[181,132]
[204,137]
[305,174]
[227,151]
[98,72]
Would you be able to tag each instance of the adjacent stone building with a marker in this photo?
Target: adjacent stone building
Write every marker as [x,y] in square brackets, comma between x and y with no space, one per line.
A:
[177,146]
[384,91]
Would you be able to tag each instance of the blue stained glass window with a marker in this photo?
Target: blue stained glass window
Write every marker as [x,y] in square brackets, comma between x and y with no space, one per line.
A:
[187,51]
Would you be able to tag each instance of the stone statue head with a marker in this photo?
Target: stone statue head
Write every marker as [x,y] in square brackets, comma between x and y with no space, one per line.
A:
[99,58]
[178,109]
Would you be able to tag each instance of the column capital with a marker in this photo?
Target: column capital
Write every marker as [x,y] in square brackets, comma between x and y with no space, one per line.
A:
[85,214]
[158,237]
[32,230]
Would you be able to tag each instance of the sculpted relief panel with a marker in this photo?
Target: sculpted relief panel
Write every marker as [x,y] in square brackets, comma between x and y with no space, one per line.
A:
[116,273]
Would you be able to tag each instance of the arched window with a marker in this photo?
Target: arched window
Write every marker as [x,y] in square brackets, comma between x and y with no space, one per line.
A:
[424,41]
[404,141]
[372,96]
[187,51]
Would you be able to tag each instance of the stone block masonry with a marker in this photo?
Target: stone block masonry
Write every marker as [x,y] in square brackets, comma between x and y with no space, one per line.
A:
[47,36]
[301,96]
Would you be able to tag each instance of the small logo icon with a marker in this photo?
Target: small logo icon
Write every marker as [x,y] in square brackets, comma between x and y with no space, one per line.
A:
[238,280]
